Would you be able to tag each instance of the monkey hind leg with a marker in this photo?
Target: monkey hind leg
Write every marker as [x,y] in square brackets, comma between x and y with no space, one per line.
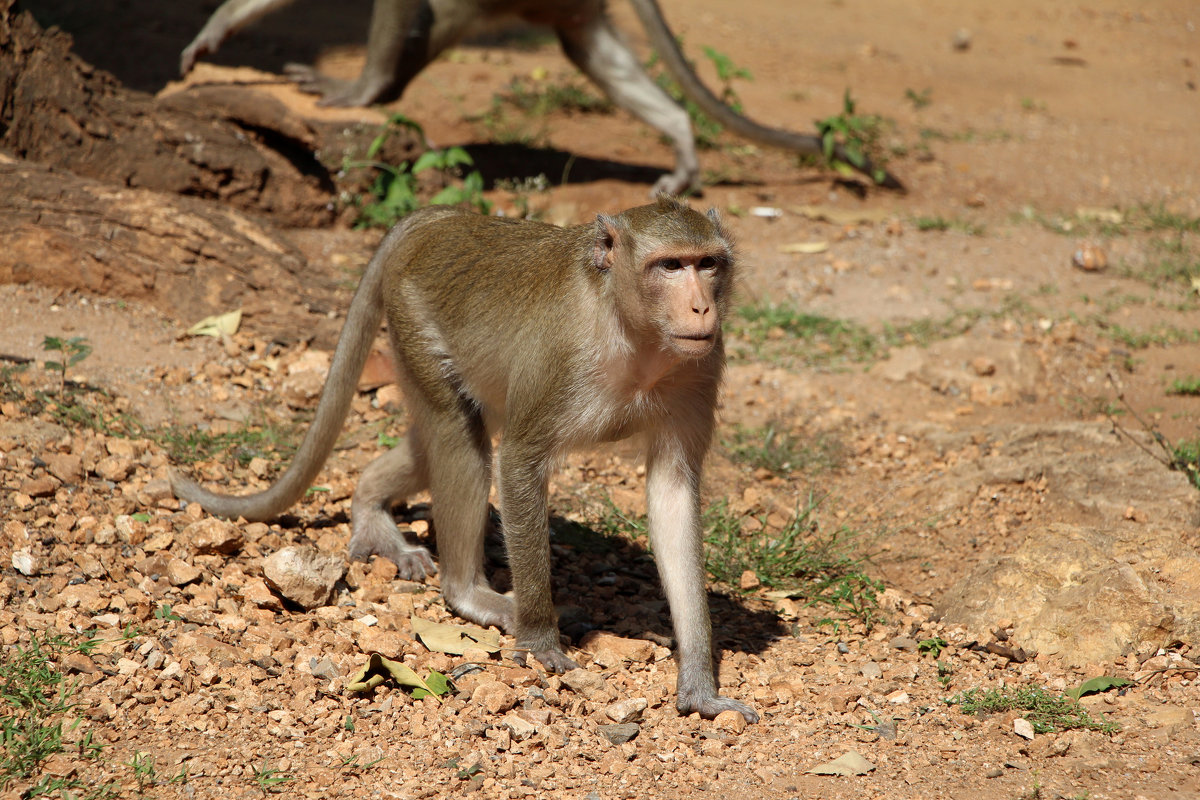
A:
[391,478]
[460,461]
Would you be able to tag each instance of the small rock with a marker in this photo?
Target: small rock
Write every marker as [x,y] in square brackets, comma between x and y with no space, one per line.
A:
[67,467]
[520,728]
[626,710]
[899,697]
[494,696]
[871,670]
[256,591]
[211,536]
[324,668]
[749,580]
[731,721]
[1023,728]
[587,684]
[961,40]
[620,734]
[41,486]
[180,573]
[904,643]
[78,662]
[114,468]
[24,562]
[994,772]
[609,651]
[983,366]
[303,574]
[1089,257]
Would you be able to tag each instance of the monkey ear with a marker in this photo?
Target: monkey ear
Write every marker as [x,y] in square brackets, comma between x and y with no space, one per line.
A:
[606,238]
[715,217]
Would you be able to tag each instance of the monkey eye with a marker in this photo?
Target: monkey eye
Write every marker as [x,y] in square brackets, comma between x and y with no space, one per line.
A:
[670,264]
[708,262]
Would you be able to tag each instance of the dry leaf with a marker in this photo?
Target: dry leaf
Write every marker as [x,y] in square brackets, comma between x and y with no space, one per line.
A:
[454,639]
[378,669]
[805,248]
[841,216]
[850,764]
[218,325]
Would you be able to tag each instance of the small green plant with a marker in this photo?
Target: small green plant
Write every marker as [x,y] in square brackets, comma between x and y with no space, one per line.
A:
[919,99]
[36,707]
[393,192]
[859,136]
[519,190]
[1185,386]
[932,647]
[773,448]
[144,772]
[826,340]
[1045,711]
[73,351]
[945,674]
[942,224]
[164,612]
[268,779]
[257,438]
[817,567]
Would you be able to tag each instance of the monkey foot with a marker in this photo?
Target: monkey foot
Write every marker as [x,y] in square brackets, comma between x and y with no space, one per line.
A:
[413,563]
[711,706]
[555,661]
[334,92]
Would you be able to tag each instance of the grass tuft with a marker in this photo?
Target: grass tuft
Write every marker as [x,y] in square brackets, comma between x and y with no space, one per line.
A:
[1046,712]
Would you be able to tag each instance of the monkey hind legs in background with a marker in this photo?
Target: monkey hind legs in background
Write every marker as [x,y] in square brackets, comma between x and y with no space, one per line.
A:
[561,338]
[406,35]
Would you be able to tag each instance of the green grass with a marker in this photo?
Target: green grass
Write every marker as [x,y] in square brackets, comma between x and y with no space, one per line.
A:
[831,342]
[1046,712]
[939,223]
[1189,385]
[1185,457]
[37,711]
[818,567]
[775,449]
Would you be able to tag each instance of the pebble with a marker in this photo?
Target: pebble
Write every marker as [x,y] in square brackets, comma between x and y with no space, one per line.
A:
[212,536]
[904,643]
[1023,728]
[626,710]
[731,721]
[303,574]
[24,562]
[622,733]
[587,684]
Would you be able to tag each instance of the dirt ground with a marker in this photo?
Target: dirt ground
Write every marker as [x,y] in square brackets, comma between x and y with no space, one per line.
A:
[1030,138]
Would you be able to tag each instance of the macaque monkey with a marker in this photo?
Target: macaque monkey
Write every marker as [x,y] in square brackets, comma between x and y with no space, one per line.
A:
[555,338]
[406,35]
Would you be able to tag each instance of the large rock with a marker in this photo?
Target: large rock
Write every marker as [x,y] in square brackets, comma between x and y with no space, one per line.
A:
[303,574]
[1086,594]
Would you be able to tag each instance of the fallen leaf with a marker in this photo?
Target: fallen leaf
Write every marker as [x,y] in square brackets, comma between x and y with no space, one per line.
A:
[378,669]
[454,639]
[217,325]
[850,764]
[1096,685]
[804,248]
[841,216]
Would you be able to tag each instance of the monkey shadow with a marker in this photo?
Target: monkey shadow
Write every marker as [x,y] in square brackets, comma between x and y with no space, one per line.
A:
[139,41]
[517,162]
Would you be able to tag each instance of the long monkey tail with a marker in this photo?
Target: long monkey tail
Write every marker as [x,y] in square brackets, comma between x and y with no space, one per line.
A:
[358,333]
[668,49]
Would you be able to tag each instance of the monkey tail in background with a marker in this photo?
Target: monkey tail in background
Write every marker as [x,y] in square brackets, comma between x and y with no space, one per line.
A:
[362,324]
[668,49]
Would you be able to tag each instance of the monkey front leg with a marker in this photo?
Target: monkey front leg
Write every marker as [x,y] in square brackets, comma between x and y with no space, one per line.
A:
[676,536]
[523,485]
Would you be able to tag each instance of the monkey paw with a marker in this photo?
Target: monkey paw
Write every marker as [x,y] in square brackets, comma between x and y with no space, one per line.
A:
[412,563]
[711,706]
[555,661]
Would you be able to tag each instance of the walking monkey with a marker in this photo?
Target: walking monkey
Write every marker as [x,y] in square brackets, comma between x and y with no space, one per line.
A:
[406,35]
[555,338]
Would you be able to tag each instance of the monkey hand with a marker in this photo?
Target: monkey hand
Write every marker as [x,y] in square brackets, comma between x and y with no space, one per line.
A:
[679,182]
[714,704]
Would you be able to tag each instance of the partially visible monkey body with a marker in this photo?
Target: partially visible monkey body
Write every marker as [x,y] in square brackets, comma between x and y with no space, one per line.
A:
[406,35]
[554,339]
